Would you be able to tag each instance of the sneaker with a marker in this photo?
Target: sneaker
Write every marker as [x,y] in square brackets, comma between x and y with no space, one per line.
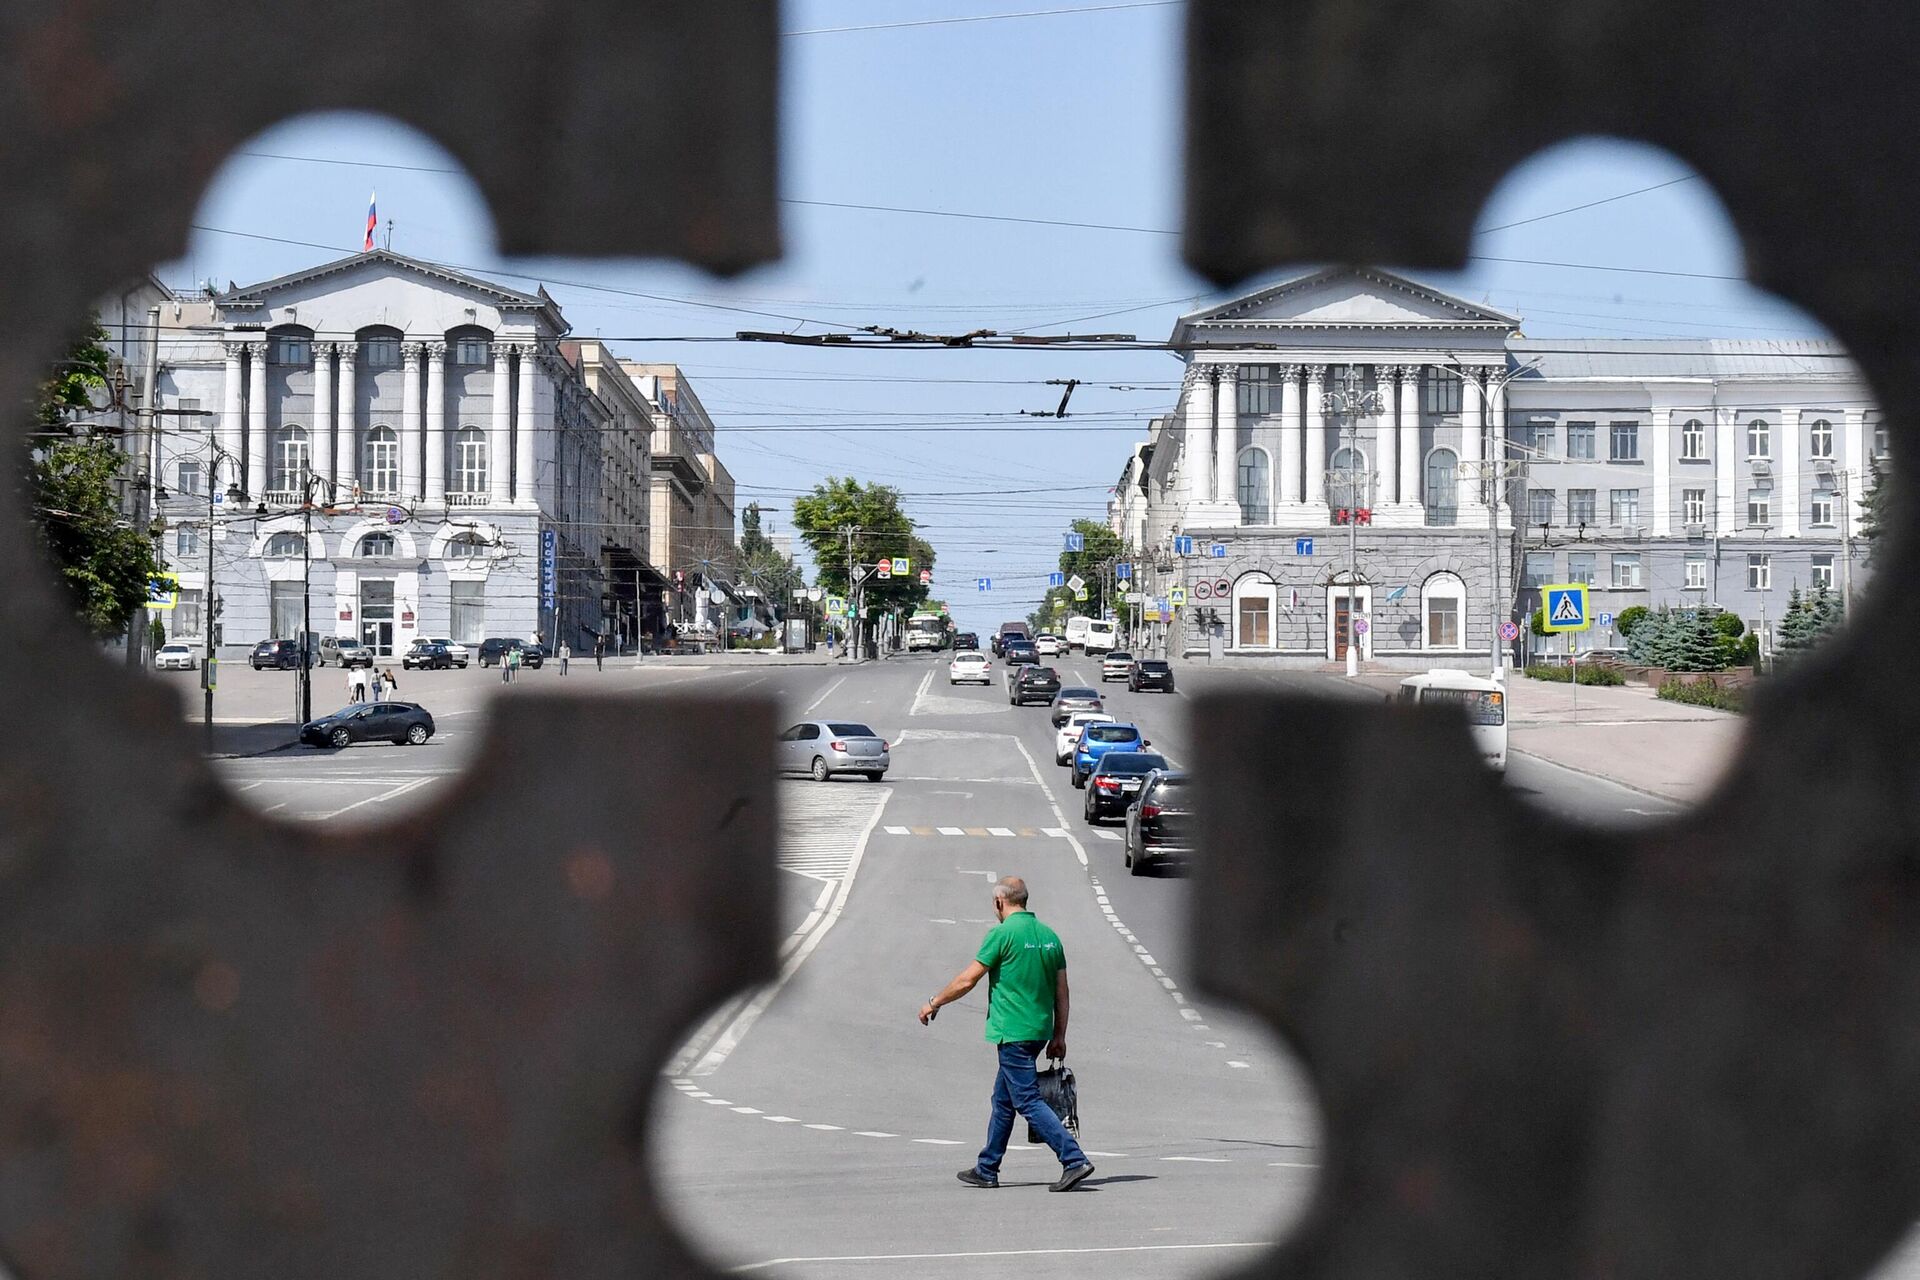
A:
[1071,1178]
[973,1179]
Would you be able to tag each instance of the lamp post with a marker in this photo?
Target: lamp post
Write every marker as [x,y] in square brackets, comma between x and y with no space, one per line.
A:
[209,663]
[1352,403]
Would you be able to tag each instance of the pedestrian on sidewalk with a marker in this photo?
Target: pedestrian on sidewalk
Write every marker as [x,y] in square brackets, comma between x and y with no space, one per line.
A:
[388,685]
[356,684]
[600,651]
[565,653]
[509,663]
[1026,1013]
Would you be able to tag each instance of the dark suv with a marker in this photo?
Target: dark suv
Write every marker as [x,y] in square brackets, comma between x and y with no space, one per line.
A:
[1150,673]
[282,655]
[1160,821]
[966,640]
[1015,650]
[1032,684]
[428,655]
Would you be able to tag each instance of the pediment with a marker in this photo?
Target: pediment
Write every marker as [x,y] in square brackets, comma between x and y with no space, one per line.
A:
[1347,298]
[378,285]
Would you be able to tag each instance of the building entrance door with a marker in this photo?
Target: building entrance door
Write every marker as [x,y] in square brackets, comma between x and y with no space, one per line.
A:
[1339,624]
[376,616]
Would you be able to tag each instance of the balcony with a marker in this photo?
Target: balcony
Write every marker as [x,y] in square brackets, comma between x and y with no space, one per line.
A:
[479,499]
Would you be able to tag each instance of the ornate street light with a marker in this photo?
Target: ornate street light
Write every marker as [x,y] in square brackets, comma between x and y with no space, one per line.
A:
[1349,401]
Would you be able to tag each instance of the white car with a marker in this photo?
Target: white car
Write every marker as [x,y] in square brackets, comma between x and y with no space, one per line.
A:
[1048,646]
[175,657]
[460,654]
[1069,735]
[971,667]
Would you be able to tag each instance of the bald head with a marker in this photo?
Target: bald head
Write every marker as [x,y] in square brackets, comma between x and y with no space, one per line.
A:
[1011,890]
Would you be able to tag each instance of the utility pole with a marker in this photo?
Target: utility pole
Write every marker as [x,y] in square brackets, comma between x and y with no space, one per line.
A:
[1352,403]
[1492,474]
[1846,542]
[143,480]
[209,661]
[853,607]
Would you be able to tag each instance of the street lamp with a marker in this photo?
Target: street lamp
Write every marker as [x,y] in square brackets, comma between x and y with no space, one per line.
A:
[309,484]
[209,663]
[1352,403]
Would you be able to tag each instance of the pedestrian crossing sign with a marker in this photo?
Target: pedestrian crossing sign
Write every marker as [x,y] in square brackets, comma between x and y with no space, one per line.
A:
[1565,608]
[163,591]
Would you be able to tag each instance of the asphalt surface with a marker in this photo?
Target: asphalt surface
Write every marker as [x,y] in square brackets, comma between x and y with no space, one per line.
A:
[814,1128]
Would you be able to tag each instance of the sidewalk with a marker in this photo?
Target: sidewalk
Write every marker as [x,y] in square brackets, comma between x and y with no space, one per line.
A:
[1623,734]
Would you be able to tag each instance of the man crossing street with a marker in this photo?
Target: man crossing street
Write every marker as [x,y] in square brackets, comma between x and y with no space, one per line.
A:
[1026,1012]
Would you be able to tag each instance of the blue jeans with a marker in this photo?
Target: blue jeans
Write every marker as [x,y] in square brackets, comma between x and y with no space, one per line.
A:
[1014,1090]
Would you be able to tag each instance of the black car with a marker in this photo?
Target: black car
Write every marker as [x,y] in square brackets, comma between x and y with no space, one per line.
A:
[1160,823]
[966,640]
[493,651]
[1116,780]
[282,655]
[1150,673]
[1015,650]
[397,722]
[1075,699]
[1032,684]
[428,655]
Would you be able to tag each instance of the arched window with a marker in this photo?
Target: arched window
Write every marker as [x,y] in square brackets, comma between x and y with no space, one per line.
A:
[290,345]
[292,459]
[470,461]
[1255,602]
[466,546]
[1255,487]
[282,546]
[1443,612]
[376,544]
[381,473]
[1443,487]
[1347,479]
[470,345]
[1693,440]
[1759,439]
[1820,439]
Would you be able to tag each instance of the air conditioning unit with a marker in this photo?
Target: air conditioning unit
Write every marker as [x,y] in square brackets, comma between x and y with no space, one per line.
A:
[1634,531]
[1762,466]
[1823,466]
[1696,531]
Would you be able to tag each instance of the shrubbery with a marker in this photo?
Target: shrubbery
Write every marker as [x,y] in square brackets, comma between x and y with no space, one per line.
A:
[1702,693]
[1590,674]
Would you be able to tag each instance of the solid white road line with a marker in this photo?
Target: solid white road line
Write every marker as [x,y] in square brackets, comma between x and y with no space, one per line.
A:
[1004,1253]
[823,695]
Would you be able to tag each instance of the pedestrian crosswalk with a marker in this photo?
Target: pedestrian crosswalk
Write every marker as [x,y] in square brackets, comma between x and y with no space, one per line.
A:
[1002,833]
[822,825]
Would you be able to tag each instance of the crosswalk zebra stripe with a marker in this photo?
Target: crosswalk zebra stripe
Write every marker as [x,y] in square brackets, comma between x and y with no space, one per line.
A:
[820,826]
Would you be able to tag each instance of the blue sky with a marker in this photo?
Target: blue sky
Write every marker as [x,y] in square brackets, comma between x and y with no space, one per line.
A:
[1071,117]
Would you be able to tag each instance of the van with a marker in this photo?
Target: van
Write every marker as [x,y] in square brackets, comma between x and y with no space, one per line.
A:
[1102,635]
[1016,630]
[1077,631]
[1483,700]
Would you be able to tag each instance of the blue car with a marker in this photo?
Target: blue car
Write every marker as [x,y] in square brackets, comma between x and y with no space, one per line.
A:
[1098,739]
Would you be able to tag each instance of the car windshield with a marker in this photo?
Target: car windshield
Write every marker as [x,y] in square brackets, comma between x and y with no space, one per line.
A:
[1153,664]
[1117,656]
[1174,789]
[1112,733]
[851,731]
[1131,762]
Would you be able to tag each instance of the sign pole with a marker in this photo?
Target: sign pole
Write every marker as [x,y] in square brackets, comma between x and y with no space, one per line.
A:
[1573,665]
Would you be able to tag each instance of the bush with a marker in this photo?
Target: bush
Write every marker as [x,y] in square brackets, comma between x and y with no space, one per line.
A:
[1702,693]
[1595,674]
[1550,671]
[1591,673]
[1627,619]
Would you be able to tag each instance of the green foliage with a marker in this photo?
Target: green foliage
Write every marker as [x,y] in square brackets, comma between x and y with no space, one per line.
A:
[772,572]
[1728,625]
[1685,641]
[879,526]
[1696,645]
[1100,549]
[1702,693]
[104,562]
[1627,619]
[82,369]
[1591,673]
[1538,623]
[1879,508]
[1552,672]
[1808,620]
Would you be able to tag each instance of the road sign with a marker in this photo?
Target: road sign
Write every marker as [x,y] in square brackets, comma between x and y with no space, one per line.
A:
[1151,613]
[1605,620]
[926,576]
[1135,597]
[1222,588]
[1303,546]
[984,584]
[1123,572]
[1201,591]
[1081,594]
[1177,597]
[813,595]
[1509,631]
[1218,551]
[1565,606]
[884,569]
[836,604]
[163,591]
[1183,545]
[1056,580]
[1361,626]
[1076,582]
[902,566]
[1076,542]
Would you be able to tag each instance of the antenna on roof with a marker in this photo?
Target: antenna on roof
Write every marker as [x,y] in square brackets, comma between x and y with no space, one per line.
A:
[389,235]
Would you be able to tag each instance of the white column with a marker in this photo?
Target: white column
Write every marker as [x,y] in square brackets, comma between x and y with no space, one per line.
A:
[500,436]
[323,411]
[1199,436]
[1473,433]
[1786,484]
[526,488]
[231,438]
[1287,472]
[1315,459]
[1226,449]
[436,489]
[1728,508]
[1386,439]
[410,422]
[256,420]
[1497,425]
[1410,458]
[1660,468]
[346,412]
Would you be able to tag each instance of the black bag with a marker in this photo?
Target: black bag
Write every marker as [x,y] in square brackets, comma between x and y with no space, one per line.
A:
[1057,1091]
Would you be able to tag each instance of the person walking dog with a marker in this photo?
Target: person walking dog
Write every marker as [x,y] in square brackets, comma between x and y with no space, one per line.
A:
[1026,1012]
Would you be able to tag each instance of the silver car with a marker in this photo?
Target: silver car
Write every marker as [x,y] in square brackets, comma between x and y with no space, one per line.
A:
[823,748]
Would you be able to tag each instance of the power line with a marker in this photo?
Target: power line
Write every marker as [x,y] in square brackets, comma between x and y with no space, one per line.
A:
[1591,204]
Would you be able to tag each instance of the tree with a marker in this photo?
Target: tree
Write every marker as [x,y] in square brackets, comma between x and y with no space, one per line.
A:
[1100,549]
[105,563]
[761,564]
[1627,619]
[1880,508]
[1696,645]
[1809,620]
[844,514]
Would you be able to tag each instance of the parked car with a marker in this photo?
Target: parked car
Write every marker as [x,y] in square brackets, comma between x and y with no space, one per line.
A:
[823,748]
[1016,651]
[460,654]
[404,723]
[1068,735]
[493,651]
[1160,822]
[175,656]
[967,640]
[427,655]
[1097,740]
[1115,666]
[344,651]
[1032,684]
[1075,698]
[282,655]
[1150,673]
[1049,646]
[1116,780]
[972,667]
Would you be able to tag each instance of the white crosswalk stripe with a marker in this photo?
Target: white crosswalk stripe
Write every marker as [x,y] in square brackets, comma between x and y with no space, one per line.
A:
[820,825]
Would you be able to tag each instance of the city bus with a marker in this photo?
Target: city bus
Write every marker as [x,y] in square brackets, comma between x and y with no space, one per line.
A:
[926,631]
[1483,700]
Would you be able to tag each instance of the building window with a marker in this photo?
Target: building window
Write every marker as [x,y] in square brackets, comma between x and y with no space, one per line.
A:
[285,546]
[186,540]
[1759,509]
[287,608]
[380,471]
[1347,479]
[375,545]
[186,614]
[470,461]
[467,610]
[1255,486]
[1443,487]
[291,459]
[1822,508]
[1759,439]
[1441,391]
[1626,571]
[186,478]
[1581,504]
[1693,441]
[1255,613]
[1820,439]
[290,348]
[1759,572]
[1537,570]
[1625,442]
[380,352]
[1581,566]
[1821,570]
[472,350]
[1255,389]
[1580,437]
[1694,574]
[466,546]
[1443,610]
[1623,506]
[1693,506]
[1539,506]
[1882,440]
[1536,437]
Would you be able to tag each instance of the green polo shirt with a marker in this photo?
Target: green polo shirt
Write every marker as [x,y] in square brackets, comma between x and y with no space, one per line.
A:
[1022,957]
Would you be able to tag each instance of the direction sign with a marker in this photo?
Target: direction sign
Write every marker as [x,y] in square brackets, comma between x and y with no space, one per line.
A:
[1509,631]
[1303,546]
[902,566]
[1057,580]
[1177,597]
[984,584]
[1361,626]
[926,576]
[1183,545]
[1076,542]
[163,591]
[1123,571]
[1076,582]
[1565,606]
[1218,551]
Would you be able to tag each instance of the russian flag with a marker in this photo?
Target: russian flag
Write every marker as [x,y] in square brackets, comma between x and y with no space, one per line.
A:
[373,220]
